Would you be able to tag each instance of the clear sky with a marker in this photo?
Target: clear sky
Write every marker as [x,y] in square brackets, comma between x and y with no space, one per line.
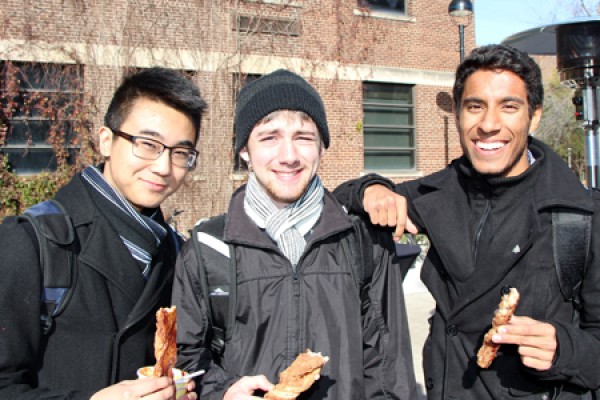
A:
[495,20]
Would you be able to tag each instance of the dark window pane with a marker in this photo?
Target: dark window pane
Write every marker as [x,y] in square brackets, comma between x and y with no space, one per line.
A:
[389,140]
[48,76]
[25,132]
[388,116]
[43,98]
[396,5]
[34,160]
[397,138]
[387,93]
[31,161]
[382,160]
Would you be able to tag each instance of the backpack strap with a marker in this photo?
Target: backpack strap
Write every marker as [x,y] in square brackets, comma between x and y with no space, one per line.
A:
[218,278]
[53,233]
[359,245]
[571,238]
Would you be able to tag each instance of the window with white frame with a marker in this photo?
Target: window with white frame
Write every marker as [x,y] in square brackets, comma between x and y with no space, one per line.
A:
[42,103]
[389,127]
[395,6]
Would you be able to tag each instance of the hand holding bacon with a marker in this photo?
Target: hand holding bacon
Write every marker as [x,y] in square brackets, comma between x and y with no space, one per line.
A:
[298,377]
[506,309]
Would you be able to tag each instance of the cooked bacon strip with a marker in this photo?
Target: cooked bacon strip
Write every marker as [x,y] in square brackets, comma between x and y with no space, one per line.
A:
[298,377]
[165,345]
[506,309]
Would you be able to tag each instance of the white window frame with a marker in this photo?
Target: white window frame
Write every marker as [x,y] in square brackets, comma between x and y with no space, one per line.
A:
[407,107]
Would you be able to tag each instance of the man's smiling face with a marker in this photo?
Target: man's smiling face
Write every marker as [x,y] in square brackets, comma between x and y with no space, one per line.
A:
[285,153]
[494,122]
[146,183]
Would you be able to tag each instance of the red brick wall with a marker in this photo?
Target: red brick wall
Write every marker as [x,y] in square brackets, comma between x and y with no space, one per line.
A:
[331,32]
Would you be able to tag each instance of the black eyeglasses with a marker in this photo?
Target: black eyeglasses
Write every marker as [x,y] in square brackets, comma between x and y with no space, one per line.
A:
[150,149]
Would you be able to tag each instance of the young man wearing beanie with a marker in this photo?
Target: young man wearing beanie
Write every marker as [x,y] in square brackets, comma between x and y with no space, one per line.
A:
[295,284]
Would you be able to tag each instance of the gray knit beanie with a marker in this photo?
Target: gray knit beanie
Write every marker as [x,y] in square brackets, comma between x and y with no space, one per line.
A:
[279,90]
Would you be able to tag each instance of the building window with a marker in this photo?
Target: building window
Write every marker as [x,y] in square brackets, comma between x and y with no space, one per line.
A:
[394,6]
[43,104]
[388,127]
[239,81]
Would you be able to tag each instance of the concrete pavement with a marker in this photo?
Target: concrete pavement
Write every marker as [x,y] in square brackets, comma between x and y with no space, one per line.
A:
[419,306]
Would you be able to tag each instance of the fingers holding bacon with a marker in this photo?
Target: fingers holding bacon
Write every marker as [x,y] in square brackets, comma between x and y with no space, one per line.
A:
[502,316]
[298,377]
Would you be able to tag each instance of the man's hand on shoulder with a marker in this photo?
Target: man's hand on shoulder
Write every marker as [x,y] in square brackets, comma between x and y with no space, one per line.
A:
[387,208]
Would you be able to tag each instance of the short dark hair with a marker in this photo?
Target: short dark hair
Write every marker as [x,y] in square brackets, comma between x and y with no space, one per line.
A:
[163,85]
[501,57]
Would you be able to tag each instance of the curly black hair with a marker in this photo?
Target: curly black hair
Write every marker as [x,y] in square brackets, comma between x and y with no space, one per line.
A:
[501,57]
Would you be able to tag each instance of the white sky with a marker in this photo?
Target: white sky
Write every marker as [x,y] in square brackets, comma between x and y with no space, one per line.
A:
[495,20]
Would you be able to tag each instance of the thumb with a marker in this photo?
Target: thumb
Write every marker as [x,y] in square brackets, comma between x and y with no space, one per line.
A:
[411,227]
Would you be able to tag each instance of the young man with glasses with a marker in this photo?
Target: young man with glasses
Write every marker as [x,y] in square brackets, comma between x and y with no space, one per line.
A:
[124,255]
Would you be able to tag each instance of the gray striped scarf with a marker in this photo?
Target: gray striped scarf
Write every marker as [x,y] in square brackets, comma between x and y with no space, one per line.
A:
[141,234]
[282,224]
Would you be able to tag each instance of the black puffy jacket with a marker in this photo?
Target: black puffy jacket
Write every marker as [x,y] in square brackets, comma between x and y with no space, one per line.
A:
[280,313]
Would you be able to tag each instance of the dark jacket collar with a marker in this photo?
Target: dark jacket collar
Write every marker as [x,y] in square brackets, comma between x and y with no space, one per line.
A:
[556,185]
[103,250]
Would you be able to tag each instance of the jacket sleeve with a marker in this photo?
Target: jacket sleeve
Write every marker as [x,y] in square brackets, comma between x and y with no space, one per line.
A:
[20,329]
[193,328]
[350,193]
[388,363]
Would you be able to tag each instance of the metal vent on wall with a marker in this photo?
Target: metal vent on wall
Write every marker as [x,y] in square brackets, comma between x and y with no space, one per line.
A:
[277,26]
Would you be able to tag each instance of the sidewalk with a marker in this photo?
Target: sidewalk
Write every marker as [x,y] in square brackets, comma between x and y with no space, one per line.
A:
[419,305]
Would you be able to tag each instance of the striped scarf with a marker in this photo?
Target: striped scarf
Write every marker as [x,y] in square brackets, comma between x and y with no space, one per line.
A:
[283,225]
[141,234]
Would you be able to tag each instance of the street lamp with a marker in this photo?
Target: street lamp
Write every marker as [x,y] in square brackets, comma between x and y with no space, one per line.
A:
[460,9]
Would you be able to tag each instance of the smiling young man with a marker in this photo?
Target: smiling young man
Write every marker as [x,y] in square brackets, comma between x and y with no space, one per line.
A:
[124,255]
[295,286]
[489,217]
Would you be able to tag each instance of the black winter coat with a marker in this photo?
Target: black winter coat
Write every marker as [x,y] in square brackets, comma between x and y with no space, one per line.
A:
[280,313]
[106,331]
[488,234]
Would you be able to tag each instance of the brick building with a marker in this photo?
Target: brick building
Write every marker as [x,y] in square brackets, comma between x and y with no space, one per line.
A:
[384,69]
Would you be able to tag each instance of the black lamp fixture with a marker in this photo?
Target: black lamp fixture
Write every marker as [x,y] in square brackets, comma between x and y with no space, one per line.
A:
[460,9]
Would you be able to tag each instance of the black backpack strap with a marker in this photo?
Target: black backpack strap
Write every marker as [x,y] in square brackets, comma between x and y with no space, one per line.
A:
[53,233]
[571,238]
[359,245]
[218,278]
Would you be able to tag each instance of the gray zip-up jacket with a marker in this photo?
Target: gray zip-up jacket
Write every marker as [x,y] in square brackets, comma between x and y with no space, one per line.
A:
[280,313]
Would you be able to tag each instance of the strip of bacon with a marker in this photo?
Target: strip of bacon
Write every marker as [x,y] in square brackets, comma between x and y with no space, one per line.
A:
[165,341]
[298,377]
[506,309]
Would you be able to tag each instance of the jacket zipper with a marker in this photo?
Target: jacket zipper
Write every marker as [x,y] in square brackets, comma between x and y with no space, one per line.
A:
[294,327]
[480,225]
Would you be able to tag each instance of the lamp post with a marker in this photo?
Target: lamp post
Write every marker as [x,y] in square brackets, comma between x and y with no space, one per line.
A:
[461,9]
